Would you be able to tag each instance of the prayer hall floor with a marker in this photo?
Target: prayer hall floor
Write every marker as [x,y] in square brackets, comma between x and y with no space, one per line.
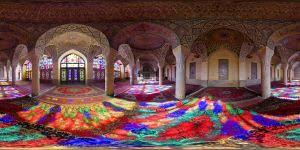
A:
[81,116]
[291,91]
[72,95]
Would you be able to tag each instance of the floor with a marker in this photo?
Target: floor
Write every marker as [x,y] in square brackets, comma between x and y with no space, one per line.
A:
[152,118]
[291,91]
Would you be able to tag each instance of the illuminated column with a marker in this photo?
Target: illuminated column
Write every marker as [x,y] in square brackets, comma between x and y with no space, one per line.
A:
[7,72]
[122,71]
[132,74]
[109,72]
[180,53]
[13,75]
[266,56]
[4,72]
[55,71]
[1,72]
[35,60]
[285,73]
[160,74]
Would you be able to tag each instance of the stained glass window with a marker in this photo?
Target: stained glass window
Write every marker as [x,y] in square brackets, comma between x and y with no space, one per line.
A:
[27,70]
[117,69]
[99,68]
[72,69]
[46,66]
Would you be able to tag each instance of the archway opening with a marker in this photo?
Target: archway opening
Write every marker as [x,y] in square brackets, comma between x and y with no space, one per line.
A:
[72,69]
[99,68]
[118,65]
[46,66]
[27,70]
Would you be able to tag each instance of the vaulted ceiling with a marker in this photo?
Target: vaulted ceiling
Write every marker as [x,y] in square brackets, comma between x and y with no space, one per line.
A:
[292,42]
[41,15]
[119,10]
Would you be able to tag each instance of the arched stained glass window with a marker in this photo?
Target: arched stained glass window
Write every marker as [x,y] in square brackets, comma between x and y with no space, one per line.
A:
[46,66]
[27,67]
[99,68]
[72,69]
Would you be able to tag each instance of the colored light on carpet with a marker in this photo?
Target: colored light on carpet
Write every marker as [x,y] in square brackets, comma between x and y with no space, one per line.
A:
[227,94]
[72,95]
[288,93]
[4,83]
[149,93]
[121,123]
[79,119]
[9,92]
[147,81]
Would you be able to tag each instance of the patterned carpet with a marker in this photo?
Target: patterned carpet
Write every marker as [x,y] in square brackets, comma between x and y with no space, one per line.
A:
[9,92]
[149,93]
[119,86]
[227,94]
[27,86]
[120,123]
[72,95]
[154,92]
[291,91]
[115,122]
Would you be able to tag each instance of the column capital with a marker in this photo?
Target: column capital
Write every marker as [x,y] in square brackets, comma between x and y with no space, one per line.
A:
[265,54]
[110,55]
[126,52]
[161,54]
[180,51]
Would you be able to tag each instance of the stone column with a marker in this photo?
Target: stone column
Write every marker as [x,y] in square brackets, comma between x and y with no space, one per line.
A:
[266,56]
[55,71]
[4,72]
[273,73]
[285,73]
[13,75]
[35,60]
[180,53]
[122,72]
[89,71]
[291,75]
[7,72]
[160,74]
[132,74]
[109,72]
[1,72]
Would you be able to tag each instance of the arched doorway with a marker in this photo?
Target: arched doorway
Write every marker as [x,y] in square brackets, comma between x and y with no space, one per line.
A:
[72,69]
[27,70]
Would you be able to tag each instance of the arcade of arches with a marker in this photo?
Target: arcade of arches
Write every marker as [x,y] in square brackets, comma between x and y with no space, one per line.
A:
[181,78]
